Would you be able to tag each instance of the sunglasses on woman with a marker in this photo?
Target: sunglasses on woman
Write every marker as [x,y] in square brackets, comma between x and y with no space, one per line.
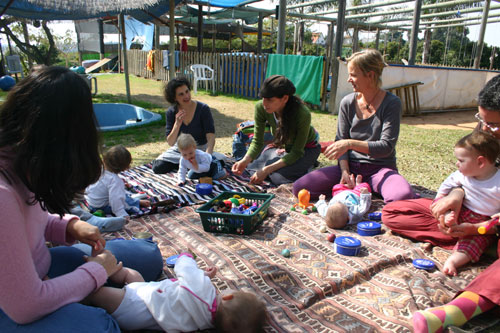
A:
[493,127]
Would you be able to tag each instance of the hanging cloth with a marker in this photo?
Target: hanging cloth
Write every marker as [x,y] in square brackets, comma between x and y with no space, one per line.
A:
[150,62]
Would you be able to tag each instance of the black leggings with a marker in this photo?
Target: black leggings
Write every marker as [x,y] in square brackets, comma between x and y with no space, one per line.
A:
[160,166]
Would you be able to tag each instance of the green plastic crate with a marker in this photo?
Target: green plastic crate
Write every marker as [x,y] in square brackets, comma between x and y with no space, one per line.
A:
[228,223]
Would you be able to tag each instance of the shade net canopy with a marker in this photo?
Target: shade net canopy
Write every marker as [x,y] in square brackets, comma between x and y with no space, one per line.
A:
[225,3]
[51,10]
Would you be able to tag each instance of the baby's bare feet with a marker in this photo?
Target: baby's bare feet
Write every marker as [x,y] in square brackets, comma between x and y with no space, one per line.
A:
[450,219]
[144,203]
[211,271]
[449,268]
[455,261]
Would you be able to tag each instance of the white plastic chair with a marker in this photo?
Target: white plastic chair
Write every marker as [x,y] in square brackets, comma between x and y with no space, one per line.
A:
[14,64]
[203,73]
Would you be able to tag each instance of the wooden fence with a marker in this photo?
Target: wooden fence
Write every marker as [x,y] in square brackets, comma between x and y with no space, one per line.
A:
[235,73]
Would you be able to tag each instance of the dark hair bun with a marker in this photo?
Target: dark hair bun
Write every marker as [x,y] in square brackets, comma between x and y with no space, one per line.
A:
[276,86]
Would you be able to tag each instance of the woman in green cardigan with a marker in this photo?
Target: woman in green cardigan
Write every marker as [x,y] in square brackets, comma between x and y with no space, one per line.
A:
[295,148]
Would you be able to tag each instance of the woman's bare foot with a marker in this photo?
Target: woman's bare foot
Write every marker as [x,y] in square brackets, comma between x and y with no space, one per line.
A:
[455,261]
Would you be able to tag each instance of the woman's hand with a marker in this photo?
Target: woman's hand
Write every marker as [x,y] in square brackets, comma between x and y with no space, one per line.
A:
[451,202]
[258,177]
[347,178]
[240,166]
[179,117]
[336,149]
[459,230]
[86,233]
[107,260]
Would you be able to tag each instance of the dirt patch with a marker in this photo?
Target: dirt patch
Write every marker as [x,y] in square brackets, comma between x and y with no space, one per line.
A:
[462,120]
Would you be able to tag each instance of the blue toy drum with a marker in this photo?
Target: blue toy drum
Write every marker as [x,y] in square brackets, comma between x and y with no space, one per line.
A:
[348,246]
[375,216]
[204,189]
[369,228]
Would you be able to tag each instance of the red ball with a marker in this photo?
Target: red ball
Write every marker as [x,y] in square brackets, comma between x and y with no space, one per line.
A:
[331,237]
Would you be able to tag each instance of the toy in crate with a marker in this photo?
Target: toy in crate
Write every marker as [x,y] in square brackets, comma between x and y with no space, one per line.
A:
[235,212]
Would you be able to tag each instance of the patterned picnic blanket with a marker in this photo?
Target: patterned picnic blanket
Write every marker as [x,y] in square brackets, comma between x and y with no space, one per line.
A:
[315,289]
[142,179]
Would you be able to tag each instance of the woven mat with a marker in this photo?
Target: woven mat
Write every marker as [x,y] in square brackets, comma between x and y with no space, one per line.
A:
[316,289]
[142,179]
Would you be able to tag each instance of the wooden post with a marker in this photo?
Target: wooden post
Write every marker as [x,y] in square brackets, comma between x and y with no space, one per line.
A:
[326,78]
[214,36]
[125,61]
[157,37]
[482,30]
[492,57]
[339,39]
[259,33]
[101,38]
[280,48]
[414,32]
[171,42]
[200,28]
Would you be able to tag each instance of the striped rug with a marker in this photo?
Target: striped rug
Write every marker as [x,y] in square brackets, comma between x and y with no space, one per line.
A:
[159,188]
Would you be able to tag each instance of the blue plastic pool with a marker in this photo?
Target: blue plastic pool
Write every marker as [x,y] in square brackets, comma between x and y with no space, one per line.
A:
[118,116]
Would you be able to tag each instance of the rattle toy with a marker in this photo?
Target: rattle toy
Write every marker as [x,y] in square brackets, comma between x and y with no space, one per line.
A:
[304,196]
[483,230]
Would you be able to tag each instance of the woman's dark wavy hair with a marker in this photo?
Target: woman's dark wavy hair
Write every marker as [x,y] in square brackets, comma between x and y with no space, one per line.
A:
[279,86]
[48,123]
[489,96]
[287,120]
[171,87]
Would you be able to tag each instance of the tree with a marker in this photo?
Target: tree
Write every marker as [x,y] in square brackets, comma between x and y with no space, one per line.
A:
[40,49]
[66,45]
[299,34]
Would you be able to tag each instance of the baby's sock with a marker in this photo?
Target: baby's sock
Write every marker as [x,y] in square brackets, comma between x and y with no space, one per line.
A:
[466,306]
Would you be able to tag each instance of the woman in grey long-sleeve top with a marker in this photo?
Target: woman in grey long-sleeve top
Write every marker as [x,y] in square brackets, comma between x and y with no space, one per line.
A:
[367,133]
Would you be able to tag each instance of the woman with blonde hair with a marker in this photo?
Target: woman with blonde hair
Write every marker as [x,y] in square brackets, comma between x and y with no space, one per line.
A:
[367,133]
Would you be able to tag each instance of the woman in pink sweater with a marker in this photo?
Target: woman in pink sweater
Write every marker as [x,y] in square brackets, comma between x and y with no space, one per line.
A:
[49,153]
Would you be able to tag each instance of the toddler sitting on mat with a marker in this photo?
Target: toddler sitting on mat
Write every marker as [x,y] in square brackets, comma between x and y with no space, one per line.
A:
[477,174]
[108,193]
[197,161]
[348,205]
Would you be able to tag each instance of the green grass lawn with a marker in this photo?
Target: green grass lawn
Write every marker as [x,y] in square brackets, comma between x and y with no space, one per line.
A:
[425,156]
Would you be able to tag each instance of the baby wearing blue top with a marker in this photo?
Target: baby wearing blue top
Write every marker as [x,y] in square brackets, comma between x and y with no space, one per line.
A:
[197,161]
[348,205]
